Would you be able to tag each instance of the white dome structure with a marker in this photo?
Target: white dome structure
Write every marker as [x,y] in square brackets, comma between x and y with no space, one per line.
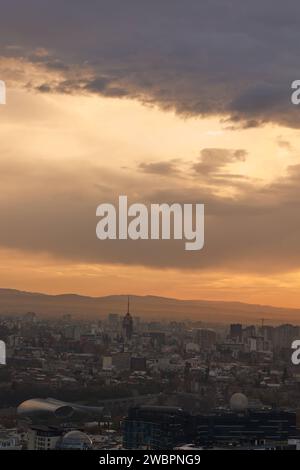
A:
[239,402]
[76,440]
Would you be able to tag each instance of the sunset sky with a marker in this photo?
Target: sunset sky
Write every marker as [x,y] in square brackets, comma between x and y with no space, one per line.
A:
[165,101]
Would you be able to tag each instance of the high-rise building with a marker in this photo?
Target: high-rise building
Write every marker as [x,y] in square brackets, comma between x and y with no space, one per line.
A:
[43,437]
[159,427]
[236,331]
[206,338]
[155,427]
[128,323]
[284,335]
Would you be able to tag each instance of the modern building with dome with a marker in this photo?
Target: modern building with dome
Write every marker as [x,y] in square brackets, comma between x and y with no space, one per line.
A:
[44,437]
[50,410]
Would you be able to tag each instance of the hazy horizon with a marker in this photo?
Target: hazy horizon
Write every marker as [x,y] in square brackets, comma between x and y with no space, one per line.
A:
[147,307]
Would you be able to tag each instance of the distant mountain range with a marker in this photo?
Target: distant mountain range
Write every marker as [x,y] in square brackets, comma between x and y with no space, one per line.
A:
[150,307]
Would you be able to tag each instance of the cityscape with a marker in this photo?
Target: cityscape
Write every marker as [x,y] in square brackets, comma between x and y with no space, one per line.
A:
[123,382]
[149,230]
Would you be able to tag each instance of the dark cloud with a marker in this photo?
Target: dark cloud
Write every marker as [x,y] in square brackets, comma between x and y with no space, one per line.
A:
[212,164]
[223,57]
[160,168]
[44,88]
[105,87]
[212,160]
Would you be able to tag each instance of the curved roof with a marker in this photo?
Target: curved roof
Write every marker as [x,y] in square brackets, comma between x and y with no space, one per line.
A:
[77,436]
[76,440]
[49,408]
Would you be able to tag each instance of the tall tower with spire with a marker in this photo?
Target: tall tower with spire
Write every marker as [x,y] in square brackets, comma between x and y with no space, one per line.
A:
[128,322]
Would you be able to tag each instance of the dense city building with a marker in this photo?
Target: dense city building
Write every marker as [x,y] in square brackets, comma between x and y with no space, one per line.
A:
[132,382]
[165,428]
[155,427]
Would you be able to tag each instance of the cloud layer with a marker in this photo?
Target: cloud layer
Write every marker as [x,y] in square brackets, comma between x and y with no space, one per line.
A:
[51,210]
[214,57]
[228,58]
